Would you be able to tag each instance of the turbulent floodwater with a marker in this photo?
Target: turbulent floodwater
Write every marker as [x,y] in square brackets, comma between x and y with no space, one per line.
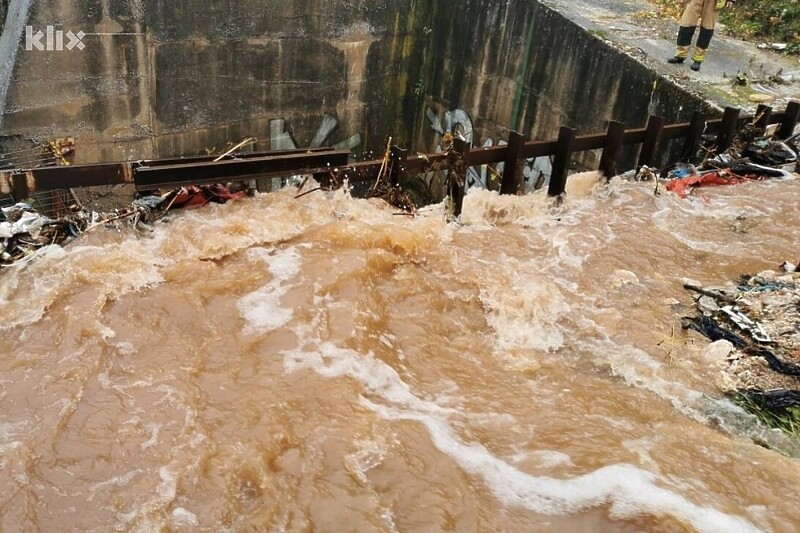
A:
[323,364]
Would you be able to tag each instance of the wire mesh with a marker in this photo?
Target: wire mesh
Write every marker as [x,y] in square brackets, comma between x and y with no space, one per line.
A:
[55,152]
[53,204]
[6,200]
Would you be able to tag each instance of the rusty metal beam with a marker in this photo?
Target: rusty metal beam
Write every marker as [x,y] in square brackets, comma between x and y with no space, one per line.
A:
[485,156]
[331,165]
[178,175]
[539,149]
[241,155]
[54,178]
[68,177]
[727,129]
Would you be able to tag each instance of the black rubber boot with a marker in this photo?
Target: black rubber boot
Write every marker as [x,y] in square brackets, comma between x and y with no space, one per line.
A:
[696,66]
[676,60]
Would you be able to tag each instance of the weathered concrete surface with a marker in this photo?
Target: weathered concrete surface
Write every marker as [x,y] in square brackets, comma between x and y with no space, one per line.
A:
[162,78]
[165,78]
[540,73]
[581,64]
[632,26]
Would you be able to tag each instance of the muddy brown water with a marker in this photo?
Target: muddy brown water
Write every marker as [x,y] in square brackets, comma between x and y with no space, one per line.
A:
[321,364]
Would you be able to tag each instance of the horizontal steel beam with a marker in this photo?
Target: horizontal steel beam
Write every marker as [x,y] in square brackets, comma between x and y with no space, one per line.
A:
[211,158]
[67,177]
[167,176]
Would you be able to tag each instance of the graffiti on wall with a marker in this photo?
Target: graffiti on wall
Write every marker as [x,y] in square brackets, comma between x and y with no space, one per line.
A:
[458,121]
[282,139]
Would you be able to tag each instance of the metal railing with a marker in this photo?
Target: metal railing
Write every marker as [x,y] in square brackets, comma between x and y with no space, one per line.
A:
[332,165]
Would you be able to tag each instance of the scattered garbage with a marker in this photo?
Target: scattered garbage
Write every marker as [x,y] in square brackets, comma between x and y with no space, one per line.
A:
[391,194]
[750,158]
[682,186]
[760,317]
[24,231]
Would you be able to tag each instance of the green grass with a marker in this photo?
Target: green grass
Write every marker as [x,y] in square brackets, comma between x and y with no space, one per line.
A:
[786,420]
[773,21]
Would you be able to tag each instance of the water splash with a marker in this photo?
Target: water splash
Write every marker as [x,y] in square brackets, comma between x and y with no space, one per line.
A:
[16,19]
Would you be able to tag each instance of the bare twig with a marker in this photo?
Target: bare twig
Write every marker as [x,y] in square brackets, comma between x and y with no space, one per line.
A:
[172,201]
[106,221]
[308,192]
[384,163]
[249,140]
[712,294]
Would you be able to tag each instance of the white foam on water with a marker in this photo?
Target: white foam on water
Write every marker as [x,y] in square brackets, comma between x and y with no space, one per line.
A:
[525,306]
[628,490]
[262,310]
[155,430]
[125,348]
[165,494]
[524,311]
[542,458]
[118,481]
[9,430]
[369,455]
[639,369]
[377,377]
[183,517]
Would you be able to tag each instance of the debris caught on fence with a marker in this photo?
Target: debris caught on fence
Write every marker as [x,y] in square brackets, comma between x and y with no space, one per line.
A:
[56,152]
[750,158]
[387,191]
[24,231]
[757,321]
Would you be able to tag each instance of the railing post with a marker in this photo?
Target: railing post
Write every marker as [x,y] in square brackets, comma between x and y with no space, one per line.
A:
[399,157]
[763,114]
[19,187]
[611,150]
[789,120]
[697,126]
[513,169]
[458,175]
[727,128]
[558,178]
[652,137]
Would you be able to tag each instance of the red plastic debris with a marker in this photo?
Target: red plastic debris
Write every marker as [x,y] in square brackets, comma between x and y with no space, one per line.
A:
[682,186]
[194,196]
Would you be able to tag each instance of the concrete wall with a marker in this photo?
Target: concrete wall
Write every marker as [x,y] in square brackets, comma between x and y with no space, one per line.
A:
[538,74]
[166,77]
[161,77]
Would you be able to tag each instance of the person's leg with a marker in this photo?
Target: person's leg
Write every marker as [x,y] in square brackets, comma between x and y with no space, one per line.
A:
[706,32]
[691,16]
